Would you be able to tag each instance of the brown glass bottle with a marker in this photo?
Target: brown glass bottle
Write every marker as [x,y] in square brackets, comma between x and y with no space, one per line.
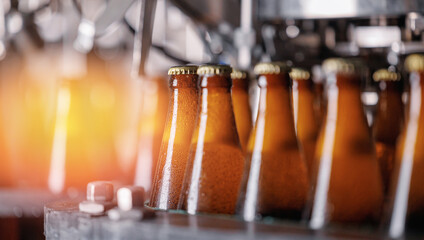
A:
[179,127]
[388,122]
[154,93]
[275,182]
[216,161]
[348,187]
[242,112]
[407,210]
[306,123]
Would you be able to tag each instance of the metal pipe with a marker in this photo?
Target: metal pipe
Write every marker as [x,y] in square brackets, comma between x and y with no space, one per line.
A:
[245,35]
[143,37]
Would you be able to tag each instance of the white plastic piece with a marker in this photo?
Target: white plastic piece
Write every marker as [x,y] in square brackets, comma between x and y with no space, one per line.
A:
[95,208]
[116,214]
[130,197]
[135,214]
[100,191]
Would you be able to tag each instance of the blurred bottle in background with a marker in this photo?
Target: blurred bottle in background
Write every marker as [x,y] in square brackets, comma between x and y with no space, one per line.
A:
[128,108]
[275,181]
[215,165]
[320,102]
[348,185]
[88,121]
[407,193]
[305,119]
[154,105]
[102,119]
[9,68]
[388,121]
[242,112]
[70,166]
[30,95]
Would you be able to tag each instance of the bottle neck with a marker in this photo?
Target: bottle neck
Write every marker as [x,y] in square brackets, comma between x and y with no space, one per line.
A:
[183,89]
[182,107]
[303,109]
[416,98]
[212,81]
[242,112]
[240,84]
[275,110]
[216,115]
[349,97]
[275,94]
[344,107]
[183,81]
[389,117]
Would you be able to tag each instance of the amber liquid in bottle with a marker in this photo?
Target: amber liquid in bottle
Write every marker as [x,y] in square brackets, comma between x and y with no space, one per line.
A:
[242,111]
[387,126]
[304,115]
[320,104]
[407,192]
[179,127]
[275,181]
[216,161]
[348,187]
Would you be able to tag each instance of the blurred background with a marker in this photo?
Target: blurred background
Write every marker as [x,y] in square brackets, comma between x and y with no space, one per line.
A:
[71,111]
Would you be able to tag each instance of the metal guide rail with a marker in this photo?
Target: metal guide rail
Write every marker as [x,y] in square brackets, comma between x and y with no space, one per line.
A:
[63,220]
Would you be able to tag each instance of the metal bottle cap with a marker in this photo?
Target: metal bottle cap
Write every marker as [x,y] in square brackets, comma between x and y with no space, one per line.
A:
[299,74]
[341,65]
[238,74]
[414,63]
[178,70]
[385,75]
[214,70]
[271,68]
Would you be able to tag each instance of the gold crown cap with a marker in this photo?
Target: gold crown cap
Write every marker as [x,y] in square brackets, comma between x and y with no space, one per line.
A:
[300,74]
[178,70]
[271,68]
[341,65]
[214,69]
[238,74]
[385,75]
[414,63]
